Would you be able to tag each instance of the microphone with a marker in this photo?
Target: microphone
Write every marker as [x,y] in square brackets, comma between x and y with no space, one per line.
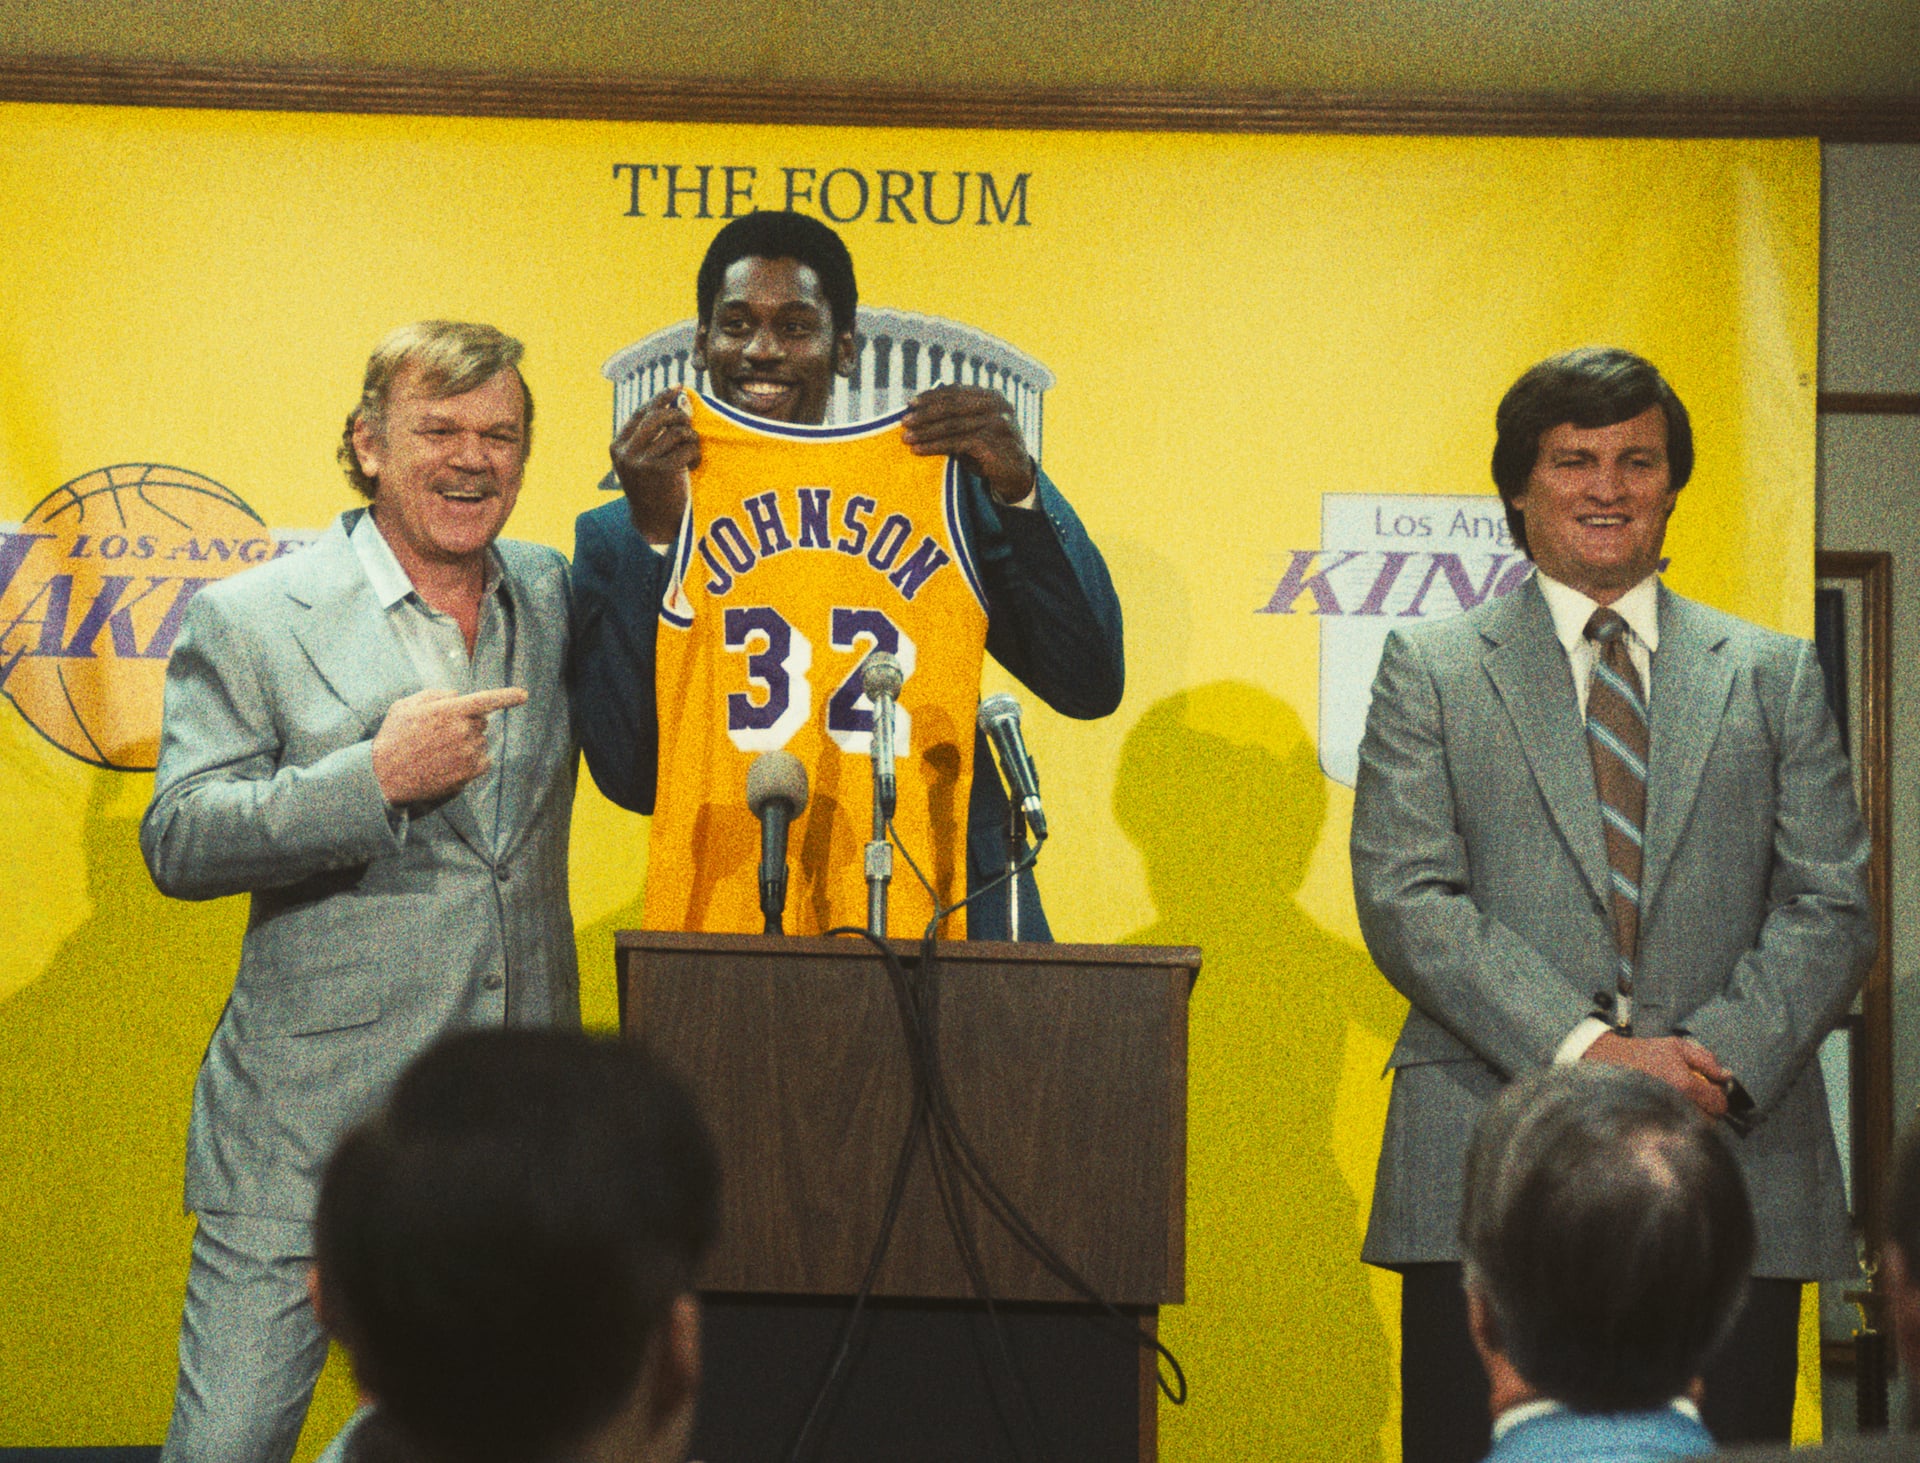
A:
[776,795]
[881,678]
[999,718]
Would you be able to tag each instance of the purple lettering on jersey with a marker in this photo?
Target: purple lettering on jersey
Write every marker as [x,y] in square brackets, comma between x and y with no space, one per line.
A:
[888,542]
[813,517]
[764,513]
[732,542]
[858,507]
[918,569]
[722,581]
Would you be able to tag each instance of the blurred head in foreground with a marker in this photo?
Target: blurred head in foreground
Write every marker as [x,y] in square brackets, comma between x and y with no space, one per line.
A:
[1606,1237]
[507,1249]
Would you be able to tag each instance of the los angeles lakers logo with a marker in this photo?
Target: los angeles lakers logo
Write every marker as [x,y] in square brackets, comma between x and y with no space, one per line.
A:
[93,587]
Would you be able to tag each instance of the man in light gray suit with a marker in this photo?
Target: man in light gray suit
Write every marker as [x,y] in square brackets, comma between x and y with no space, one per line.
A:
[370,737]
[1596,821]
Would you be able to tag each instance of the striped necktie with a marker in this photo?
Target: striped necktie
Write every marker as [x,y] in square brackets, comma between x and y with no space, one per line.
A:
[1617,739]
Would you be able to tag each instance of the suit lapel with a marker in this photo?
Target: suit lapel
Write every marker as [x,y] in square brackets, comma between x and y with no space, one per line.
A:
[1688,700]
[346,635]
[1528,667]
[532,665]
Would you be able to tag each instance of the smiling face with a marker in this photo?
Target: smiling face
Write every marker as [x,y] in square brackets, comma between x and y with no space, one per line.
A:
[770,347]
[446,468]
[1596,504]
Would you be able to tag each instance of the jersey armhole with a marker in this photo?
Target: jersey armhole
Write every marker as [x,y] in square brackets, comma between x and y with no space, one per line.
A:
[962,549]
[675,608]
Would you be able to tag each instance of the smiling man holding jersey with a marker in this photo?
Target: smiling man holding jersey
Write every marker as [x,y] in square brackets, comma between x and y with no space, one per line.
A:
[776,302]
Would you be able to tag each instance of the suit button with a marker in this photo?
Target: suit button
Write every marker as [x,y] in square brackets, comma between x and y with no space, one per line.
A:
[503,873]
[495,981]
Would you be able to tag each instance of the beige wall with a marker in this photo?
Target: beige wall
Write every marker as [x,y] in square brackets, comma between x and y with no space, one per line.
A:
[1870,484]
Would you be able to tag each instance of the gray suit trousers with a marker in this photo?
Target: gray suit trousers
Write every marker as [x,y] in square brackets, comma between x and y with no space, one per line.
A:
[248,1335]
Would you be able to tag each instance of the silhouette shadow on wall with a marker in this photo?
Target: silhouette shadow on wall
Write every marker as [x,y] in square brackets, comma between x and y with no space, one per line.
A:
[97,1060]
[1220,789]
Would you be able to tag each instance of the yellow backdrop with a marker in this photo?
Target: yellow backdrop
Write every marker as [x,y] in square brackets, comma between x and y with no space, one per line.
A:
[1240,327]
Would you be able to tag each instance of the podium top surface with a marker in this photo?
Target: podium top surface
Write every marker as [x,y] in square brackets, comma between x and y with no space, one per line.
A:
[996,952]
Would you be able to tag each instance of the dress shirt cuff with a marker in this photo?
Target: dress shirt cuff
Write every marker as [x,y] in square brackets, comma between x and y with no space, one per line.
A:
[1578,1040]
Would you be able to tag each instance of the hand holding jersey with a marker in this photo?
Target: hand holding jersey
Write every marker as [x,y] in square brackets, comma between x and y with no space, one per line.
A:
[660,445]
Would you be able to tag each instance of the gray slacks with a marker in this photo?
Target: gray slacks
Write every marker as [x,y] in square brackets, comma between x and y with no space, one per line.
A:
[251,1347]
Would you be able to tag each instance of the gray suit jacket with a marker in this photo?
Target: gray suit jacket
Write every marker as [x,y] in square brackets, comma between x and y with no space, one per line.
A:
[368,936]
[1481,877]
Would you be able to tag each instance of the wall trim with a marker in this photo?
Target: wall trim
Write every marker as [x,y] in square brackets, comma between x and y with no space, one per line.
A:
[1868,403]
[494,94]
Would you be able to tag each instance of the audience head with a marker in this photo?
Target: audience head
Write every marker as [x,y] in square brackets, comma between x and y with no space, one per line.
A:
[1595,386]
[507,1251]
[1606,1236]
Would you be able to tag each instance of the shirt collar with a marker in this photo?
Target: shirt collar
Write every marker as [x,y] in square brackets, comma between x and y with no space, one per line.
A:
[1507,1421]
[1639,607]
[390,582]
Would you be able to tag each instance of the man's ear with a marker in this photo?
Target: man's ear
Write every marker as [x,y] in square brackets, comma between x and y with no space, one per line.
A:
[369,446]
[679,1379]
[1481,1325]
[700,347]
[846,353]
[1505,1386]
[316,1297]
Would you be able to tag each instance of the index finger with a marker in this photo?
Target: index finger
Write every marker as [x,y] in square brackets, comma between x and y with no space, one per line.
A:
[485,703]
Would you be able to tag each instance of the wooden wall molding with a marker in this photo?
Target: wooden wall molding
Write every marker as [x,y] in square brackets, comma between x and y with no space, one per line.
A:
[1868,403]
[342,89]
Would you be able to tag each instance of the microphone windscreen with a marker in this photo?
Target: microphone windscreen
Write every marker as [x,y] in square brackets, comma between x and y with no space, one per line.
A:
[777,777]
[880,675]
[1000,706]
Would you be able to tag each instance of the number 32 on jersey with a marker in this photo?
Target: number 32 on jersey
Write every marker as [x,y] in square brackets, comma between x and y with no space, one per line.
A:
[778,700]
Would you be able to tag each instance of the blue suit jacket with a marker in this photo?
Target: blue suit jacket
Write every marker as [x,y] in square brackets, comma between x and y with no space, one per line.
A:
[1053,620]
[1623,1437]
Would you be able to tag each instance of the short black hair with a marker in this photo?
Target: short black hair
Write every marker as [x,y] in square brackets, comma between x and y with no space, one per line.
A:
[1608,1230]
[500,1245]
[779,234]
[1595,386]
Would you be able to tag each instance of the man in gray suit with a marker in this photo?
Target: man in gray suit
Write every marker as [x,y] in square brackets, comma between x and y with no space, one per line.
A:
[1596,821]
[369,737]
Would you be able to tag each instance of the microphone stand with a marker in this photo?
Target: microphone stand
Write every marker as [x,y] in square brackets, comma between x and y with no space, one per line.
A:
[879,870]
[1016,845]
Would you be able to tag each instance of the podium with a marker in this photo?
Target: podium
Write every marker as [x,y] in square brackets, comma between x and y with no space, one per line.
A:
[1066,1066]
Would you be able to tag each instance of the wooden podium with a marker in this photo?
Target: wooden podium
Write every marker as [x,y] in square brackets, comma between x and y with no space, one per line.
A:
[1067,1069]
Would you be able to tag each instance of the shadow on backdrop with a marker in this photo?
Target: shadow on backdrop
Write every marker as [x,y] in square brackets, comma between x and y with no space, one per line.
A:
[97,1061]
[1220,789]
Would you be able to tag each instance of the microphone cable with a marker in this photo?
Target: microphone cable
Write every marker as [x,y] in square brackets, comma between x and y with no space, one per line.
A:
[949,1150]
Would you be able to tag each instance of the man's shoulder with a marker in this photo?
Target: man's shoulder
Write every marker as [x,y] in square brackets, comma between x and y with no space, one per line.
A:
[299,572]
[1492,621]
[530,562]
[1729,633]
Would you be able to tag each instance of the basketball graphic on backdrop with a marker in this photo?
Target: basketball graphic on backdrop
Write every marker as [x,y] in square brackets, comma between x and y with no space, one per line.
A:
[94,585]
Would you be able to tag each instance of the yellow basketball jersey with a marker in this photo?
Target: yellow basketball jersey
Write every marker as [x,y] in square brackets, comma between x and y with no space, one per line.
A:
[804,550]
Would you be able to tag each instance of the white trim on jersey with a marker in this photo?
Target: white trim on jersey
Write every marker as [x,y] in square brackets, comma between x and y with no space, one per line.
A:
[674,607]
[956,531]
[768,428]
